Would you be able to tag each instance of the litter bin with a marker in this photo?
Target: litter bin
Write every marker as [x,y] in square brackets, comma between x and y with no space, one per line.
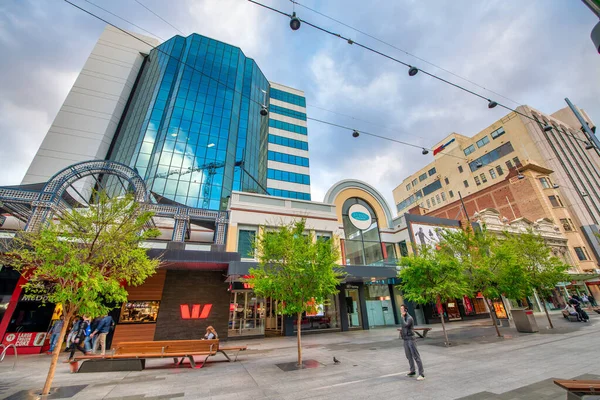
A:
[524,320]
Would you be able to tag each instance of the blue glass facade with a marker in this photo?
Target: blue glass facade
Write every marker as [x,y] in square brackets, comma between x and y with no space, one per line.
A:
[283,141]
[288,158]
[192,127]
[288,176]
[287,112]
[286,126]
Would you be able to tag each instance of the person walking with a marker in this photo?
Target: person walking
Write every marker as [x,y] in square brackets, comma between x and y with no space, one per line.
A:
[79,338]
[102,331]
[592,300]
[410,344]
[55,333]
[73,332]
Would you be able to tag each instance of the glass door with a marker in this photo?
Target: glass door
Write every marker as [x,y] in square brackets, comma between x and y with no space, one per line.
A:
[246,314]
[274,320]
[353,309]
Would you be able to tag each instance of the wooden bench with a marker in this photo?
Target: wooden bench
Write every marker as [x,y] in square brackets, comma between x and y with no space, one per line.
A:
[581,387]
[178,350]
[417,332]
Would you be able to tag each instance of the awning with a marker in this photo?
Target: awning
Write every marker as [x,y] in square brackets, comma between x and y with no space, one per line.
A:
[354,272]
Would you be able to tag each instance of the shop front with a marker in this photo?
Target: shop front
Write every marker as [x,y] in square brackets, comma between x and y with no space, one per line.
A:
[461,309]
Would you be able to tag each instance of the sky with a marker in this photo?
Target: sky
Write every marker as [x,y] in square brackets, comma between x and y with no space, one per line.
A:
[536,53]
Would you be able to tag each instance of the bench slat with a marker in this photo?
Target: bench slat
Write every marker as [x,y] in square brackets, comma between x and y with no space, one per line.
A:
[574,385]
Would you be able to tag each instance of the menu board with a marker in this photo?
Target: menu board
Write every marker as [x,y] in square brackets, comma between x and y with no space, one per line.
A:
[139,312]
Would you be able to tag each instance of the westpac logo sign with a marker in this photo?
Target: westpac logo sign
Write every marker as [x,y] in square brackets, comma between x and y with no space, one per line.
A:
[196,311]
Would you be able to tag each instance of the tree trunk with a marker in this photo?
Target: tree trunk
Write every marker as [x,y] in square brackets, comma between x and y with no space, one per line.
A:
[492,314]
[299,339]
[447,342]
[547,314]
[56,354]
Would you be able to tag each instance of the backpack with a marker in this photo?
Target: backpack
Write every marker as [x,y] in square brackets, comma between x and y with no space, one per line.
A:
[88,330]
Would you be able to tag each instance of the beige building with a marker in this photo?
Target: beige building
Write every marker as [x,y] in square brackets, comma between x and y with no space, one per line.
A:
[563,176]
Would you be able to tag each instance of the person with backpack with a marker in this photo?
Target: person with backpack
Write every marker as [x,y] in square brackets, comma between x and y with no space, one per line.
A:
[79,338]
[410,344]
[102,330]
[73,332]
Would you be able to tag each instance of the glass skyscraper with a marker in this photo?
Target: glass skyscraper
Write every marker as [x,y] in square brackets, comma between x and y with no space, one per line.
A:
[193,127]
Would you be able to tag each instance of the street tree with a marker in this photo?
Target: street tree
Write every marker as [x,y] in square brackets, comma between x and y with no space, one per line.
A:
[295,269]
[543,270]
[490,265]
[84,259]
[430,276]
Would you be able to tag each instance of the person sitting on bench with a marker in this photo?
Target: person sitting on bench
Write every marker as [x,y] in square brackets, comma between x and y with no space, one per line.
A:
[211,333]
[571,310]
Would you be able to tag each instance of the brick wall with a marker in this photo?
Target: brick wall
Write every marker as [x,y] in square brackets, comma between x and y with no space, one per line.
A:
[192,287]
[522,195]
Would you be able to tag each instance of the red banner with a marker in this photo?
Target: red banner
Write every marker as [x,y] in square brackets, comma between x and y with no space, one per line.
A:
[25,339]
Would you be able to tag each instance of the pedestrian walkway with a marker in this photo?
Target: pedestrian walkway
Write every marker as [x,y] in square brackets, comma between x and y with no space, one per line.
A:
[372,365]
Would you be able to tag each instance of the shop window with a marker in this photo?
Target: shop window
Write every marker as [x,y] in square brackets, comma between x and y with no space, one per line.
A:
[466,183]
[136,312]
[460,169]
[483,178]
[493,173]
[555,201]
[320,316]
[477,181]
[246,243]
[581,253]
[8,282]
[499,170]
[246,314]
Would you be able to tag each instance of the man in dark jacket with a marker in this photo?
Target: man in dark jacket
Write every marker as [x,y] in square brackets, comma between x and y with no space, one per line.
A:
[410,344]
[102,330]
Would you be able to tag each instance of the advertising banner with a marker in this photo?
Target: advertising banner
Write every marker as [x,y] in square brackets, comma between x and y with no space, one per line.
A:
[25,339]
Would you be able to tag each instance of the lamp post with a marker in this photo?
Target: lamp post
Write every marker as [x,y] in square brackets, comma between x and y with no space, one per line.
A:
[586,129]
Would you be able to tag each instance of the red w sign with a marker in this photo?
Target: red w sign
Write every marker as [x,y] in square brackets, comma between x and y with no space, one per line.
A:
[195,312]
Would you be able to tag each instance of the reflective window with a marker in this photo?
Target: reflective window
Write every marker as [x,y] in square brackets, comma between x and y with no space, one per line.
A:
[499,170]
[483,178]
[477,181]
[483,141]
[422,177]
[431,171]
[287,112]
[283,141]
[288,158]
[491,156]
[498,132]
[246,243]
[493,173]
[273,123]
[362,244]
[287,97]
[288,176]
[545,183]
[139,311]
[289,194]
[469,150]
[466,183]
[432,187]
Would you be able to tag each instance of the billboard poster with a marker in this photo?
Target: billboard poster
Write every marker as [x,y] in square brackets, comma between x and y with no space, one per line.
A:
[429,235]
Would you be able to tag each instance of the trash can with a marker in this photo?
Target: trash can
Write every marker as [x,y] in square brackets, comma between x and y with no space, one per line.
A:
[524,320]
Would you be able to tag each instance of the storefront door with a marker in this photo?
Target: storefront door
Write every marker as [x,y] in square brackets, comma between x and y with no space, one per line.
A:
[353,308]
[246,314]
[274,319]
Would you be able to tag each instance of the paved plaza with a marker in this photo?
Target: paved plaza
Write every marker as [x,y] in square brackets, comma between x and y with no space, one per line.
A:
[373,366]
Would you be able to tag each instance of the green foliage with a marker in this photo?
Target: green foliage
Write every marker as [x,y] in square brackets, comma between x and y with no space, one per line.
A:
[542,270]
[430,276]
[491,266]
[295,268]
[84,259]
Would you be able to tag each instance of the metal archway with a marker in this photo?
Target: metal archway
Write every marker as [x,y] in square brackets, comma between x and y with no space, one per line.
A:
[49,200]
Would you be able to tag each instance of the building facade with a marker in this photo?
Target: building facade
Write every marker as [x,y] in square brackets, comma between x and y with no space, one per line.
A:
[194,116]
[564,178]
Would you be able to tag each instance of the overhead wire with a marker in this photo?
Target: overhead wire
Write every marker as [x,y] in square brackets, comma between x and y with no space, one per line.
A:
[257,102]
[404,51]
[123,19]
[353,42]
[158,16]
